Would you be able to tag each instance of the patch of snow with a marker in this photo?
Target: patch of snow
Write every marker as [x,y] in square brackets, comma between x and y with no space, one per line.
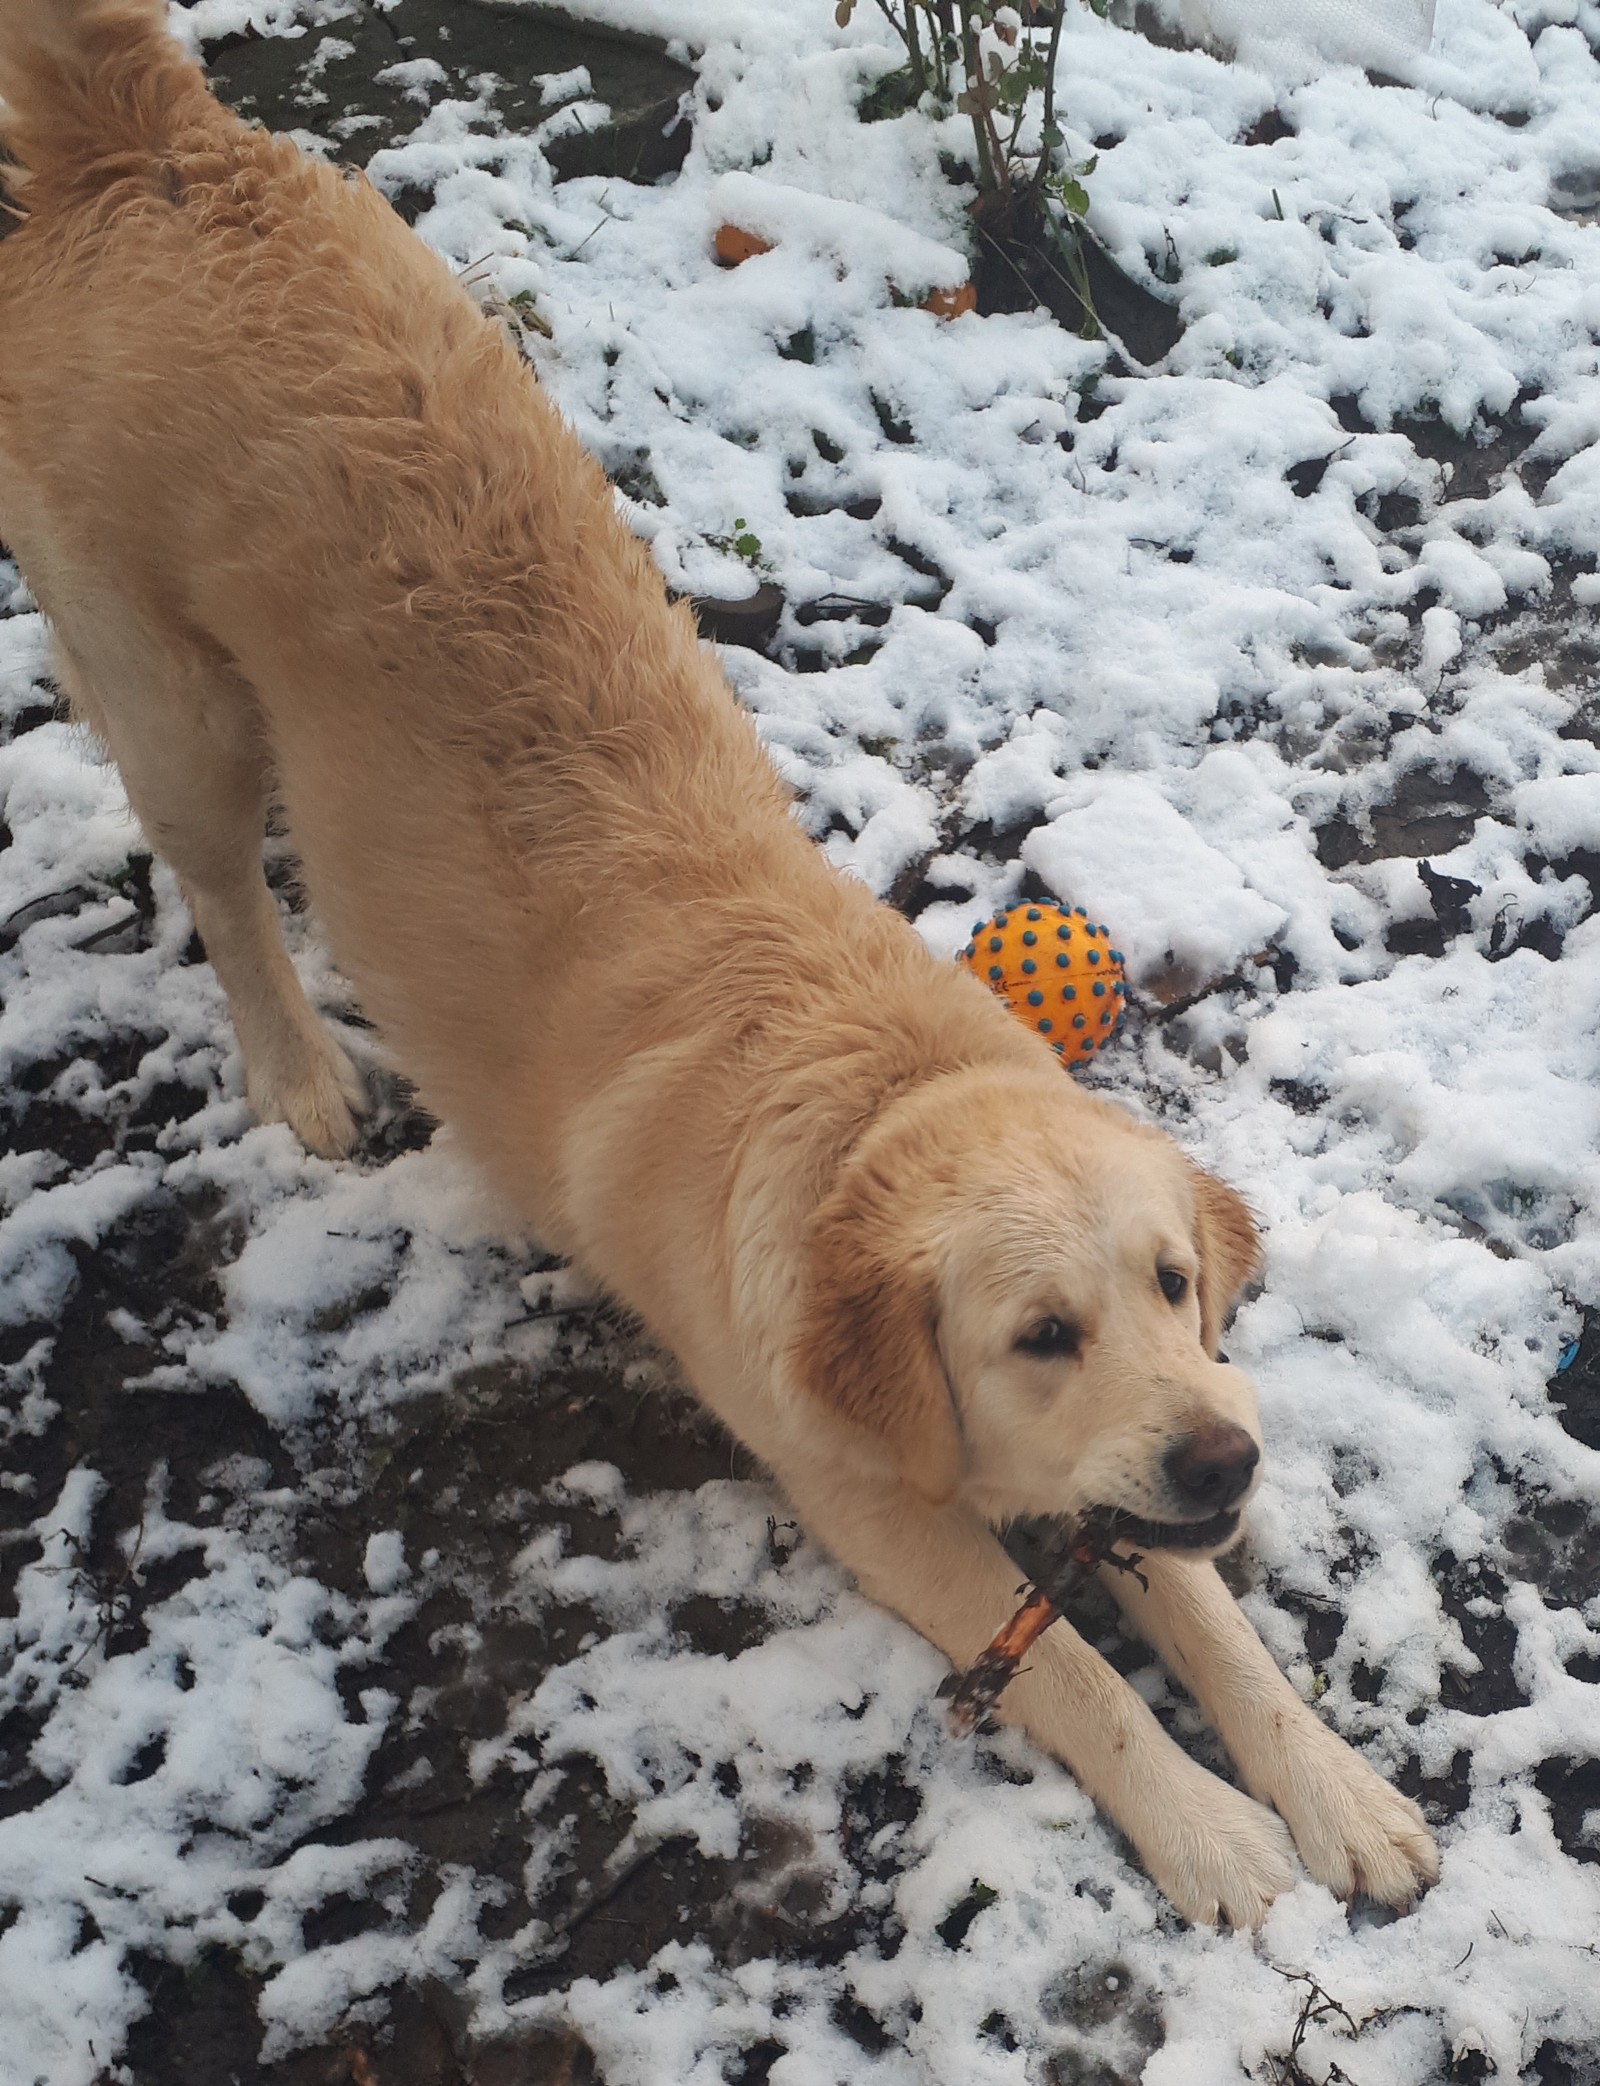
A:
[1134,859]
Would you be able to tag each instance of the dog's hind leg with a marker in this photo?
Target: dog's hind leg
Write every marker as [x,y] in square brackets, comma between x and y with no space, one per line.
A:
[184,729]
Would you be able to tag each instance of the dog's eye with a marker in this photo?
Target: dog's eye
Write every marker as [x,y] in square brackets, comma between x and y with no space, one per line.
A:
[1174,1287]
[1051,1340]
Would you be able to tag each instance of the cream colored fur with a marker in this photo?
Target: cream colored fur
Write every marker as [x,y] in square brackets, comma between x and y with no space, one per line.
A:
[302,523]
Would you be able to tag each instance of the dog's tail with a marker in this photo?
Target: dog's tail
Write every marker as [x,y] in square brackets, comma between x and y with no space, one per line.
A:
[86,86]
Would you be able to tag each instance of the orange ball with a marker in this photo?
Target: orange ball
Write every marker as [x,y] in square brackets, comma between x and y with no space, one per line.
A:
[1056,971]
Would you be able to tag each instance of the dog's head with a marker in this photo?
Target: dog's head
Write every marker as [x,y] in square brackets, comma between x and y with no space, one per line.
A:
[1018,1291]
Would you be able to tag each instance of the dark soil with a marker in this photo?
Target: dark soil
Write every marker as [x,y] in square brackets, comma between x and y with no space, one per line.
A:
[288,86]
[1022,264]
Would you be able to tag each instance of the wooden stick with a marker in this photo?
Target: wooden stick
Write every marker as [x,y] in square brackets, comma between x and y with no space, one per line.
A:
[971,1696]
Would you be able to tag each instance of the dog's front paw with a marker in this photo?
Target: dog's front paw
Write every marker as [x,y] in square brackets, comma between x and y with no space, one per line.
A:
[317,1091]
[1221,1857]
[1354,1832]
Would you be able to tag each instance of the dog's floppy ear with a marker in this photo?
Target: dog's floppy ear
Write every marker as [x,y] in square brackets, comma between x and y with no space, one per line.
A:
[868,1346]
[1229,1249]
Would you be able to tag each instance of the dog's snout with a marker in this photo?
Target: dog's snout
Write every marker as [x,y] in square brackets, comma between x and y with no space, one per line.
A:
[1211,1468]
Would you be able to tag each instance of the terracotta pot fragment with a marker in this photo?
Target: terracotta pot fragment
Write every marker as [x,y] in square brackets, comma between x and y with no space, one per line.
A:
[734,244]
[950,304]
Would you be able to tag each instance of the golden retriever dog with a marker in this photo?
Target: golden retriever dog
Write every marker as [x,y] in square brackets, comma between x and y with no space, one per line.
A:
[304,526]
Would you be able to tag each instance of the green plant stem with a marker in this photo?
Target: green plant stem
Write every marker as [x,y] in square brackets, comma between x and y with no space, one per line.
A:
[1046,151]
[1069,245]
[919,71]
[993,174]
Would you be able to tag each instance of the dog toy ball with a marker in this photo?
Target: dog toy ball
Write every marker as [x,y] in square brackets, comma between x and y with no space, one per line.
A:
[1056,971]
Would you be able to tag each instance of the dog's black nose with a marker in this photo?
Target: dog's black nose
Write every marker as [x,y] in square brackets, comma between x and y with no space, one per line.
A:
[1212,1467]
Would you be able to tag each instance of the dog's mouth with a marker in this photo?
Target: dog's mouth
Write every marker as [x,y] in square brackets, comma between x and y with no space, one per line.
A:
[1043,1546]
[1123,1527]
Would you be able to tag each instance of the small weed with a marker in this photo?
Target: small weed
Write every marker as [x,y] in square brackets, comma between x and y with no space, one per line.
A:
[112,1592]
[132,880]
[741,543]
[526,306]
[519,315]
[1316,2007]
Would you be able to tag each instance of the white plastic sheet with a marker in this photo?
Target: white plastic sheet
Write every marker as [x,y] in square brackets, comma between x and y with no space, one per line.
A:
[1379,34]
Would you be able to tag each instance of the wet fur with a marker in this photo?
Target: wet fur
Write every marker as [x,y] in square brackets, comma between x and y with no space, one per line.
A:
[304,525]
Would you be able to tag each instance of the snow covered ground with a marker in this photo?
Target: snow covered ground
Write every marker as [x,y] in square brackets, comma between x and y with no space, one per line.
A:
[1284,658]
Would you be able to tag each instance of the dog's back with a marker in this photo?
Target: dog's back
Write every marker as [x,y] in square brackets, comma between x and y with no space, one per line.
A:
[257,446]
[320,435]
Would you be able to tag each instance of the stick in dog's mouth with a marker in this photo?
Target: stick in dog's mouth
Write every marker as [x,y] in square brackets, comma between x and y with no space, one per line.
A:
[1058,1556]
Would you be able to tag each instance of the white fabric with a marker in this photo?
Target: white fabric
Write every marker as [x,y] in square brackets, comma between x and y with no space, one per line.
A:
[1377,33]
